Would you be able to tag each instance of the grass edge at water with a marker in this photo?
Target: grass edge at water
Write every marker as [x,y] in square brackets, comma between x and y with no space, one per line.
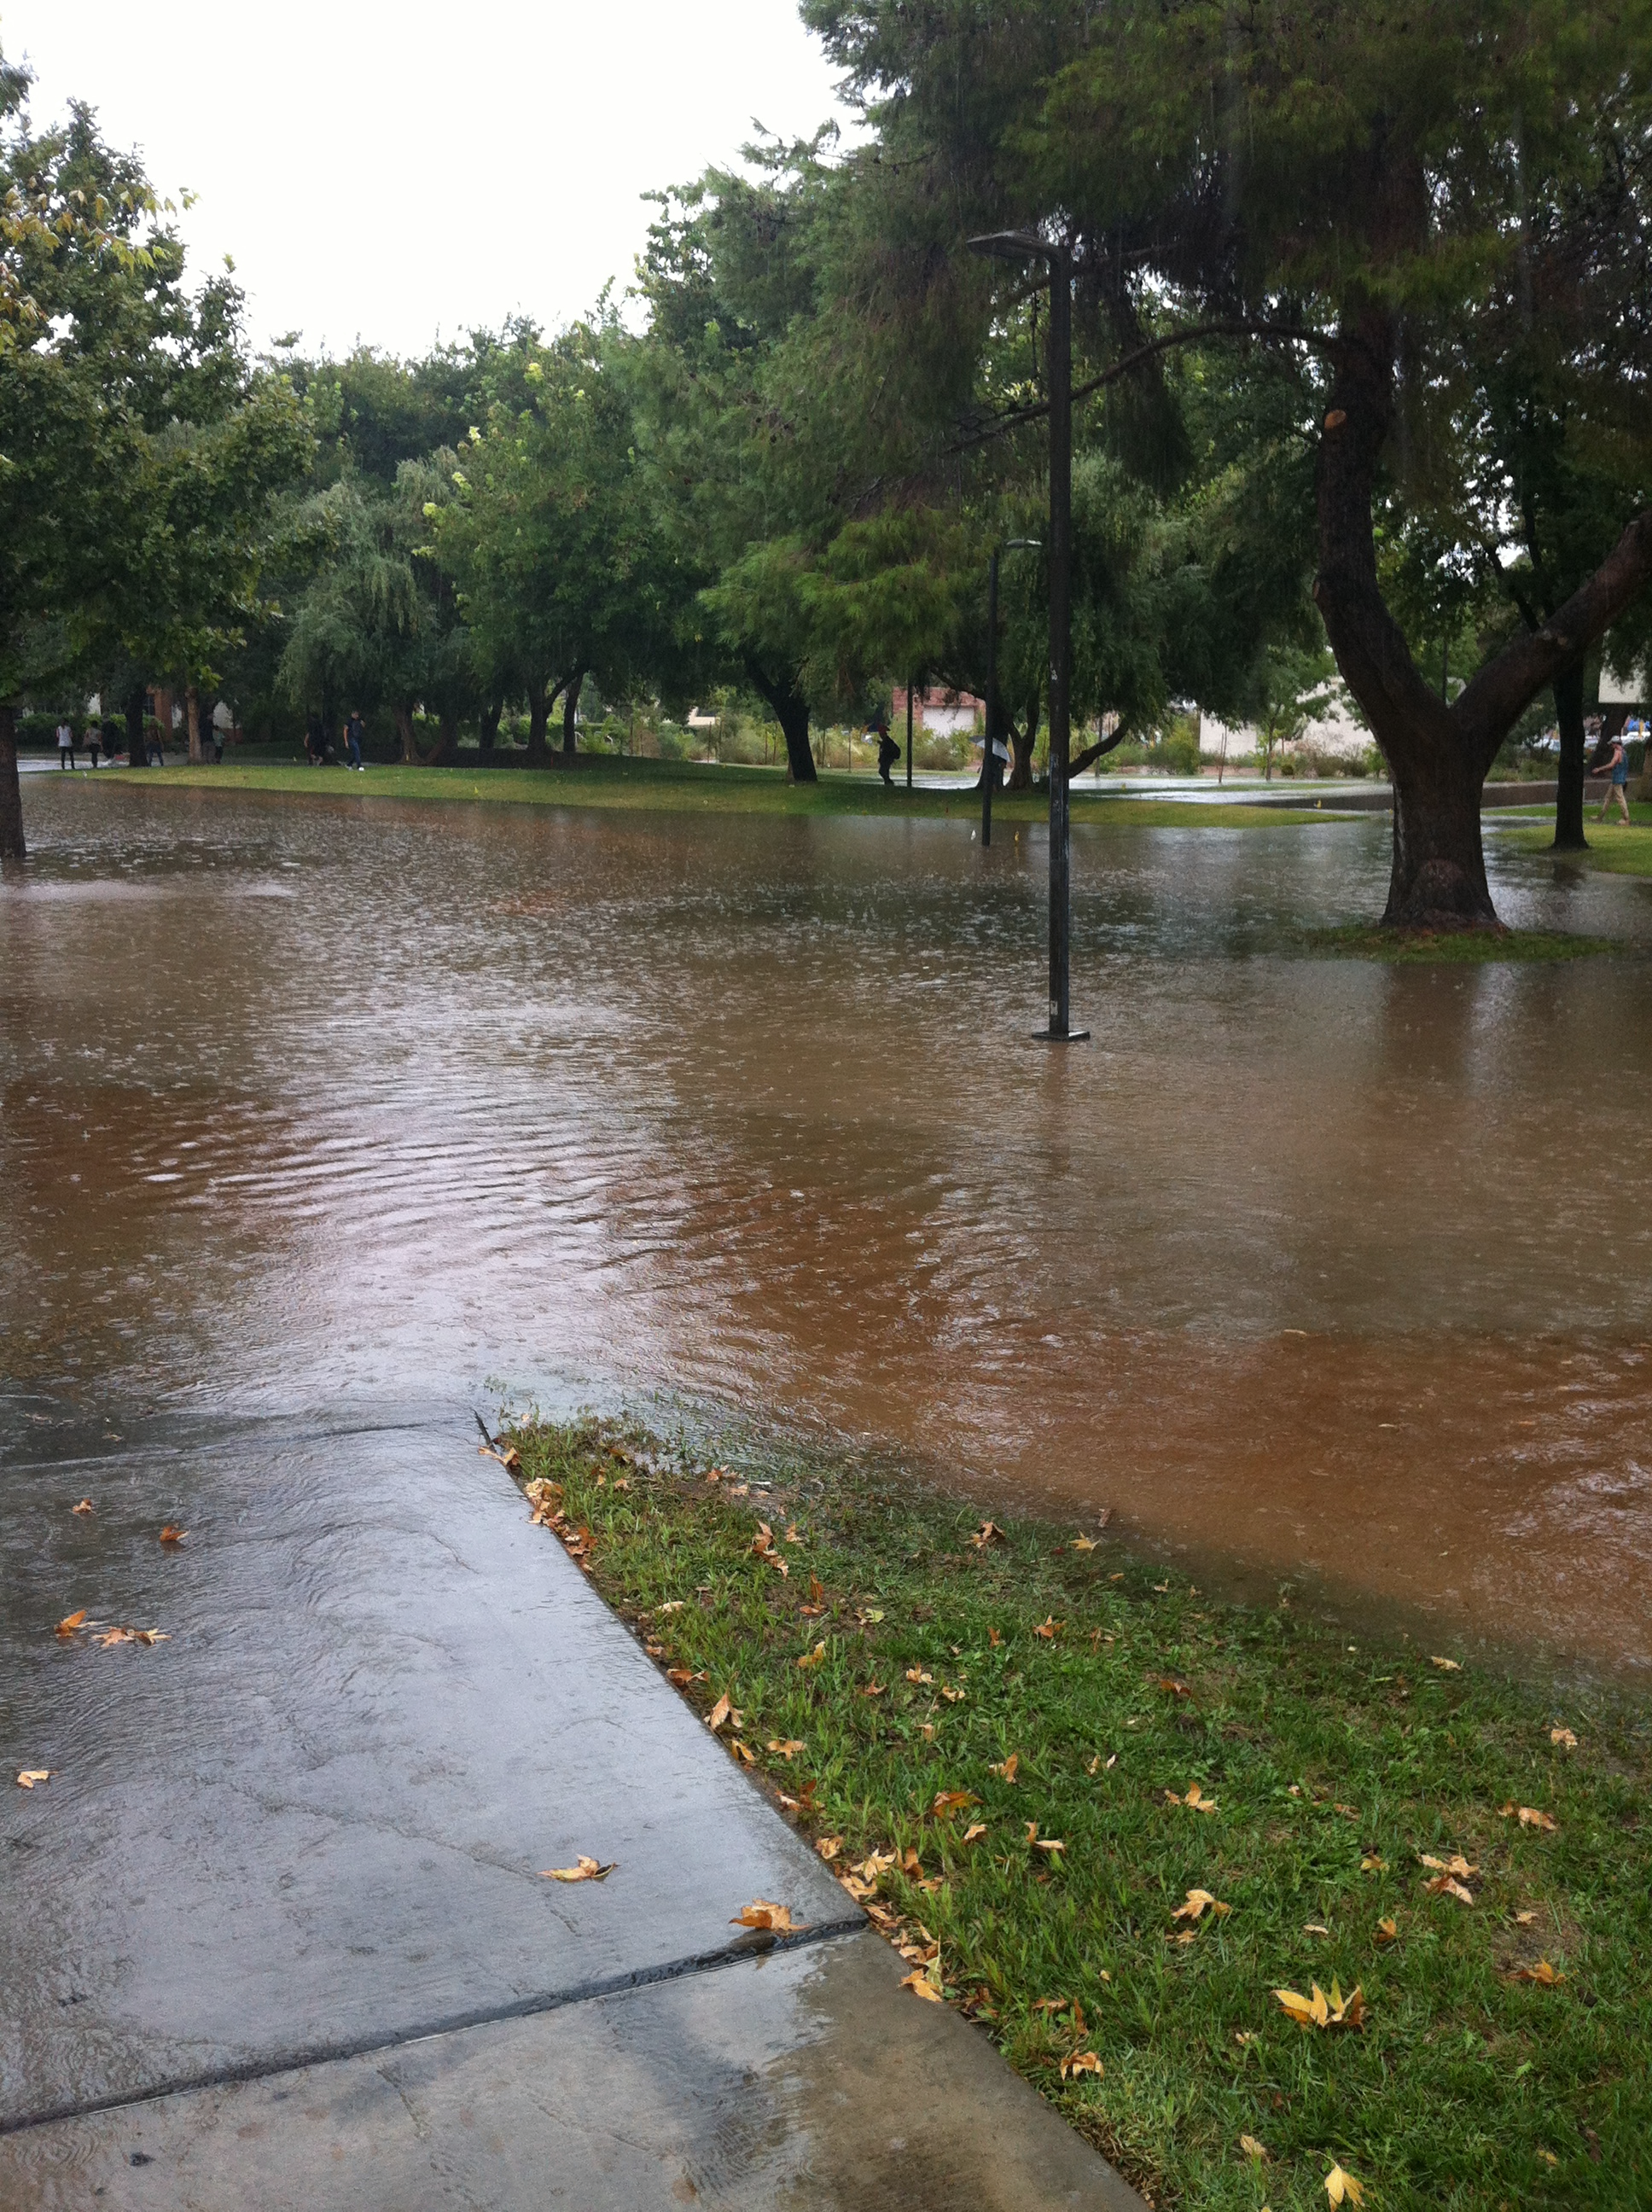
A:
[1465,2083]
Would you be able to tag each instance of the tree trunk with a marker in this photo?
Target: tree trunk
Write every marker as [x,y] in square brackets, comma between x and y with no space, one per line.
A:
[487,725]
[192,722]
[790,710]
[137,753]
[209,709]
[447,749]
[1439,755]
[1569,794]
[1021,749]
[538,719]
[404,730]
[12,844]
[570,715]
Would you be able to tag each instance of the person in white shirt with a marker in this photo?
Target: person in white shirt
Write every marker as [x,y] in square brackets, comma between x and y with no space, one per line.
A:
[65,744]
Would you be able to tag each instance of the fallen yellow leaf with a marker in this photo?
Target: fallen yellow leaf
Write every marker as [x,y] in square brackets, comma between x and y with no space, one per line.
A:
[1543,1973]
[813,1658]
[85,1506]
[1006,1768]
[788,1747]
[1082,2062]
[1196,1800]
[1445,1885]
[1082,1544]
[1200,1901]
[921,1985]
[1251,2147]
[1526,1919]
[1321,2011]
[828,1846]
[1446,1667]
[31,1774]
[988,1533]
[952,1800]
[1563,1736]
[761,1913]
[720,1713]
[740,1751]
[1456,1864]
[1342,2188]
[976,1828]
[586,1869]
[1528,1816]
[1372,1864]
[70,1622]
[917,1674]
[1388,1929]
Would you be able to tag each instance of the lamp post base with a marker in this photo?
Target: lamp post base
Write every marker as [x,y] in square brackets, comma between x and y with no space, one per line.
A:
[1060,1037]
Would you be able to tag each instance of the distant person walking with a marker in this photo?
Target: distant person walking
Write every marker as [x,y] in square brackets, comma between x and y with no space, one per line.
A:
[1616,766]
[354,730]
[94,739]
[888,751]
[66,744]
[154,751]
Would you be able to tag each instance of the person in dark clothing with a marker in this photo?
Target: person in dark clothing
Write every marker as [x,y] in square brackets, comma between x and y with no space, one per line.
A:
[154,751]
[888,751]
[94,739]
[354,730]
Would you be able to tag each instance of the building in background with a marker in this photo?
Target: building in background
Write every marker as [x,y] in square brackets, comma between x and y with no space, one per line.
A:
[943,713]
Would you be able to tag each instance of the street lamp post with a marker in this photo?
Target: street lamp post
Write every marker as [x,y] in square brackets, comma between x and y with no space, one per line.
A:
[1024,245]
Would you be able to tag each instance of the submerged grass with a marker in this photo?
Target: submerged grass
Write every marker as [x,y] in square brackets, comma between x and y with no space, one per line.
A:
[1614,848]
[1467,948]
[1073,1695]
[690,788]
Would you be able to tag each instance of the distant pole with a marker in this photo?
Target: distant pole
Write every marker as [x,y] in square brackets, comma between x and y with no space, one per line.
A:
[908,733]
[1060,588]
[988,751]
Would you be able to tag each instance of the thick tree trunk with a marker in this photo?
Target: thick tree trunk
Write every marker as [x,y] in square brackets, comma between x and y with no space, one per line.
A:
[790,710]
[1021,749]
[137,753]
[404,730]
[1439,755]
[12,844]
[570,714]
[487,725]
[192,722]
[446,746]
[1569,794]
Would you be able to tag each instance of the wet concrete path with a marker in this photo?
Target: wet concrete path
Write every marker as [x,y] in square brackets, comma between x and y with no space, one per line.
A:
[275,1931]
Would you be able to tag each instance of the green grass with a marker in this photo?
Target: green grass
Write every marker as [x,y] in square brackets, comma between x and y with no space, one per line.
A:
[689,788]
[1470,948]
[1614,848]
[1466,2088]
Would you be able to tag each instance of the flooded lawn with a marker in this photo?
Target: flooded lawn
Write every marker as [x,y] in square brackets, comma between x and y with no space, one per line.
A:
[1312,1269]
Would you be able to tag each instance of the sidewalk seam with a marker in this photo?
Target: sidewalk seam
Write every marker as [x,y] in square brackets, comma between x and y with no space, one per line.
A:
[326,2054]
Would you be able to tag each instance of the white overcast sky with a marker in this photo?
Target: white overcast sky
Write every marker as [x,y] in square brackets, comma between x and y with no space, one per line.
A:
[397,172]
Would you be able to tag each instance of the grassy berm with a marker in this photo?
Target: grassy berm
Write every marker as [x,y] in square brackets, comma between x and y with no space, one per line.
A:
[1109,1820]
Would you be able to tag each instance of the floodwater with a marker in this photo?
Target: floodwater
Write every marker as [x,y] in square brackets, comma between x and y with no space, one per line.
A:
[1309,1269]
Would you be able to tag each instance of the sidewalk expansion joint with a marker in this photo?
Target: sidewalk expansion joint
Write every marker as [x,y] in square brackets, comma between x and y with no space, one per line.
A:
[265,2068]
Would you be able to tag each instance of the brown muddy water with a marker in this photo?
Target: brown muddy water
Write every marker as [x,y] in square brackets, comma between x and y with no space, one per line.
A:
[1310,1269]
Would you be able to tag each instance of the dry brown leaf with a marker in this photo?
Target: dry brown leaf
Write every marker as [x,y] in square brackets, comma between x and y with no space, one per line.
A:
[85,1506]
[151,1636]
[31,1774]
[1081,2062]
[993,1639]
[874,1688]
[1050,1628]
[1445,1885]
[793,1535]
[1200,1901]
[70,1622]
[1005,1770]
[788,1747]
[172,1535]
[741,1751]
[761,1913]
[917,1674]
[976,1828]
[1563,1736]
[1528,1816]
[1196,1800]
[1049,1843]
[583,1870]
[1447,1666]
[988,1533]
[1456,1864]
[1314,1928]
[828,1846]
[921,1985]
[813,1658]
[1543,1973]
[1388,1929]
[1252,2149]
[1342,2188]
[683,1676]
[1526,1919]
[1173,1683]
[952,1800]
[1372,1863]
[953,1697]
[1082,1544]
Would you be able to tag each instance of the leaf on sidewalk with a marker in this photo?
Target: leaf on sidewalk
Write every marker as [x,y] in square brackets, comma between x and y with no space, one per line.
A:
[31,1774]
[583,1870]
[763,1913]
[919,1982]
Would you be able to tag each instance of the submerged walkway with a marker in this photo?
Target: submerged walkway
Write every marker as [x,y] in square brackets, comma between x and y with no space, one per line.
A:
[274,1932]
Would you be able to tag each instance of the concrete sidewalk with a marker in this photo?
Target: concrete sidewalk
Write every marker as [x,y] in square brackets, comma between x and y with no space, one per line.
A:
[275,1932]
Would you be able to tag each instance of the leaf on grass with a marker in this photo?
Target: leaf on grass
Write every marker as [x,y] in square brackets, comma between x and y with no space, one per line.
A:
[1050,1628]
[793,1535]
[828,1846]
[1081,2062]
[919,1982]
[683,1676]
[788,1747]
[1388,1929]
[1320,2011]
[1047,1842]
[1342,2188]
[1196,1800]
[1251,2147]
[1314,1928]
[874,1688]
[31,1774]
[917,1674]
[1005,1769]
[722,1713]
[1200,1901]
[761,1913]
[1528,1816]
[953,1697]
[813,1658]
[70,1622]
[988,1533]
[671,1605]
[85,1506]
[741,1751]
[1099,1765]
[1526,1919]
[1446,1667]
[583,1869]
[1372,1863]
[1456,1864]
[172,1535]
[1563,1736]
[952,1800]
[976,1828]
[1445,1885]
[1173,1683]
[1543,1973]
[1082,1544]
[993,1639]
[762,1545]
